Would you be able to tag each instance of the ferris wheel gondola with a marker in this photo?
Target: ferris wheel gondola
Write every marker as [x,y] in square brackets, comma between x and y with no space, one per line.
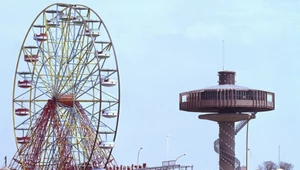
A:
[65,113]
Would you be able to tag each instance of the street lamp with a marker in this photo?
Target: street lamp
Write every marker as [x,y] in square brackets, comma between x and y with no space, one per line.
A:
[168,147]
[249,158]
[279,158]
[247,134]
[138,156]
[247,145]
[180,156]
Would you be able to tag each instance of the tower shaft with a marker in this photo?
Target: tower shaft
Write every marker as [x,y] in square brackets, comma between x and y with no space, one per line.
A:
[226,145]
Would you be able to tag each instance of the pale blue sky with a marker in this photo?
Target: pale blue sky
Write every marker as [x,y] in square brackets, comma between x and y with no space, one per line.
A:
[167,47]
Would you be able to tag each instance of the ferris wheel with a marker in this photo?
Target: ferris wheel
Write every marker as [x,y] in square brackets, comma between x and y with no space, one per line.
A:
[66,92]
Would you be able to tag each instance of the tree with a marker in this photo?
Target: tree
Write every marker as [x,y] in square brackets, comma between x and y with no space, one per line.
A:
[286,166]
[269,165]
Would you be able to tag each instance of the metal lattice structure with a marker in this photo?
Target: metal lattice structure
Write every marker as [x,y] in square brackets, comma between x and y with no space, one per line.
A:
[228,103]
[66,96]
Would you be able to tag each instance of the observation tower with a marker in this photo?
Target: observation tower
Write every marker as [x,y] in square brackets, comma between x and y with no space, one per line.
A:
[226,104]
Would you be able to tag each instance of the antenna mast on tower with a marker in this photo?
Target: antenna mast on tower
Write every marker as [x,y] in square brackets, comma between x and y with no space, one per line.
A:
[223,55]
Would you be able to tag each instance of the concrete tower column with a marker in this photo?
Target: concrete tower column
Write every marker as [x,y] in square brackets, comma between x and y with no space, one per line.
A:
[226,145]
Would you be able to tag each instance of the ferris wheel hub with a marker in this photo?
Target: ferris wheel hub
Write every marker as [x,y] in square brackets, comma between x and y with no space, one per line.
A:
[67,99]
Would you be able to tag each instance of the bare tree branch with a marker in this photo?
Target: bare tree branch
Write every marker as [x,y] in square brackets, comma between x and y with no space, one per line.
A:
[286,166]
[269,165]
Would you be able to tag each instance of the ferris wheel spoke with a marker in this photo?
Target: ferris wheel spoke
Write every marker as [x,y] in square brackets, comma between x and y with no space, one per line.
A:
[83,56]
[22,94]
[46,66]
[43,93]
[62,46]
[51,42]
[44,90]
[95,98]
[29,91]
[95,87]
[81,90]
[32,71]
[22,126]
[86,47]
[52,60]
[66,36]
[46,56]
[91,72]
[98,153]
[81,80]
[109,95]
[90,114]
[29,100]
[50,73]
[64,52]
[86,70]
[91,87]
[85,135]
[106,126]
[43,77]
[77,67]
[78,42]
[82,69]
[77,128]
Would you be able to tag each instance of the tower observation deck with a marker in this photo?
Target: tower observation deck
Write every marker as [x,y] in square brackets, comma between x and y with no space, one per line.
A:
[226,104]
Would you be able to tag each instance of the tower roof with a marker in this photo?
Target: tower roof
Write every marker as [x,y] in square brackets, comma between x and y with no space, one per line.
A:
[227,87]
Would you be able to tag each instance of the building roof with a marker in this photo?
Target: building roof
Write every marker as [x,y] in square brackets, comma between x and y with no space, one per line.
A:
[226,86]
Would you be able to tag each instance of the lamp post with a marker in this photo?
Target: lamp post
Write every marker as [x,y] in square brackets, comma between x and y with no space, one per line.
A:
[279,158]
[247,134]
[168,147]
[138,156]
[247,145]
[180,156]
[249,158]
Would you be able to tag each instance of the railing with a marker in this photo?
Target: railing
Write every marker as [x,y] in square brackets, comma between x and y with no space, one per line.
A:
[170,167]
[258,100]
